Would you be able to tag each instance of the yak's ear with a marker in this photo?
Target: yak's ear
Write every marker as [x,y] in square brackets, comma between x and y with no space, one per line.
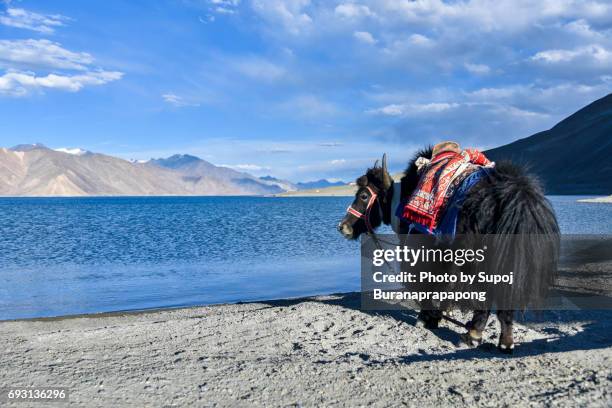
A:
[362,181]
[387,181]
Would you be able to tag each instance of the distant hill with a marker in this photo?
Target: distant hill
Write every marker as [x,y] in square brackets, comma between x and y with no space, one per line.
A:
[35,170]
[342,190]
[197,171]
[574,156]
[323,183]
[285,185]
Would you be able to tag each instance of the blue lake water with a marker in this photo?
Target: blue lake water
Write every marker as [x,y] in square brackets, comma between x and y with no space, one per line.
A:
[61,256]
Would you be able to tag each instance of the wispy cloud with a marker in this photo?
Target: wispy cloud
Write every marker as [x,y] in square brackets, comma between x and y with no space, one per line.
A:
[177,101]
[309,106]
[478,69]
[42,23]
[413,109]
[590,53]
[41,54]
[37,64]
[290,14]
[247,167]
[23,83]
[257,68]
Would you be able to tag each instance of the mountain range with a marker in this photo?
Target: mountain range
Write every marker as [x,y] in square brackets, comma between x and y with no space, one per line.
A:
[36,170]
[573,157]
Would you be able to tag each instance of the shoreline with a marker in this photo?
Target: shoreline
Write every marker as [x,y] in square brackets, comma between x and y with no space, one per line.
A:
[604,199]
[341,191]
[162,309]
[320,350]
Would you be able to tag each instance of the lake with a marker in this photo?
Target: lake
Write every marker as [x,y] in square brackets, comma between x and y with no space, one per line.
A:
[64,256]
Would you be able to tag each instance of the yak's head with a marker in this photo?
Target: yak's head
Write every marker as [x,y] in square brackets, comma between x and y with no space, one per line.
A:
[372,204]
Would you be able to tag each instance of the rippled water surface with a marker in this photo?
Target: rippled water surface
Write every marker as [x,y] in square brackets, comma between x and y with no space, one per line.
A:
[63,256]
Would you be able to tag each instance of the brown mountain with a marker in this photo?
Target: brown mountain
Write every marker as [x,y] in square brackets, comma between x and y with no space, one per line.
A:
[574,156]
[34,170]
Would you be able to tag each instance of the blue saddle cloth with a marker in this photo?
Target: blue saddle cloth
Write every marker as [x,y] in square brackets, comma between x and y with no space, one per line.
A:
[448,224]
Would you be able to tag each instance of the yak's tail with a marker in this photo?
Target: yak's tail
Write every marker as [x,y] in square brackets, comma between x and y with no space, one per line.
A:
[510,205]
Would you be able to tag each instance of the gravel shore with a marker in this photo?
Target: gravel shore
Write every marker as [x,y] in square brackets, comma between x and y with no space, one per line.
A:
[320,351]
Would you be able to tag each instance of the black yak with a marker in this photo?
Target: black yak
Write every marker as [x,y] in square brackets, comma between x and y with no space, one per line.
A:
[506,201]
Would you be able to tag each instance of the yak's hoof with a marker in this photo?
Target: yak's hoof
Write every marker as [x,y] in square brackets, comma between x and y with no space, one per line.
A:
[427,324]
[471,339]
[426,321]
[506,349]
[432,324]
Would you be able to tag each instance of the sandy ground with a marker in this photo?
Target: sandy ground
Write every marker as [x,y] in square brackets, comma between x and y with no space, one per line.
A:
[320,351]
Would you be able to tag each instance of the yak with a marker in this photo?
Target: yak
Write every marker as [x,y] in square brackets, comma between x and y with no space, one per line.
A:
[507,201]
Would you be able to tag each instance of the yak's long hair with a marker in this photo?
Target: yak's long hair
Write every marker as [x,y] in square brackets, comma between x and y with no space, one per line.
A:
[508,202]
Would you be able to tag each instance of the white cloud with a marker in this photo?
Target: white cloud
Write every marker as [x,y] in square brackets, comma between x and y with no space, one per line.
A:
[225,3]
[413,109]
[258,68]
[42,23]
[208,19]
[223,10]
[75,151]
[177,101]
[478,69]
[583,29]
[492,15]
[389,110]
[41,53]
[556,100]
[595,53]
[15,83]
[290,14]
[419,39]
[172,99]
[246,167]
[24,59]
[365,37]
[489,94]
[224,6]
[352,10]
[513,111]
[505,112]
[365,155]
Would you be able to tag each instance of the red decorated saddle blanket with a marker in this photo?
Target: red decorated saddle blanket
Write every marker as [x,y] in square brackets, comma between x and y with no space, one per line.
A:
[439,179]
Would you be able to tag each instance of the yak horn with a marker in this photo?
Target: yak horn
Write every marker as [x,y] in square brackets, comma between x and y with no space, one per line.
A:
[387,182]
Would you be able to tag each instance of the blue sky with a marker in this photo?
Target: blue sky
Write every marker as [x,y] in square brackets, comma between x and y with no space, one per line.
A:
[298,89]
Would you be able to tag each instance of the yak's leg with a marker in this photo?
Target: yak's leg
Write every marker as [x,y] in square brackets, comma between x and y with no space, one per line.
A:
[430,316]
[506,341]
[475,327]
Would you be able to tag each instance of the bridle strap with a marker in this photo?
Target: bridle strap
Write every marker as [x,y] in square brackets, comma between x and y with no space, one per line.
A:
[365,216]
